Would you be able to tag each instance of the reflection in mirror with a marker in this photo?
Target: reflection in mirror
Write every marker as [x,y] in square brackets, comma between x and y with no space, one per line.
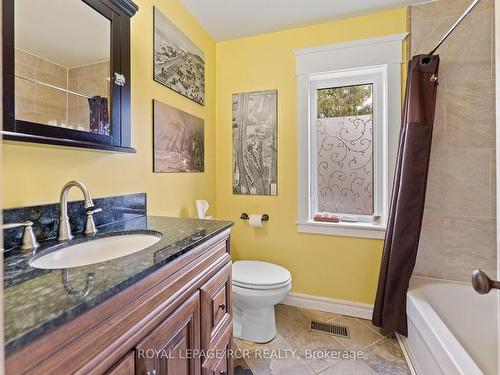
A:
[62,65]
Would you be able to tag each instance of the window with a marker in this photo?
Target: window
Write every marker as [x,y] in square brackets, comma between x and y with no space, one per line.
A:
[348,128]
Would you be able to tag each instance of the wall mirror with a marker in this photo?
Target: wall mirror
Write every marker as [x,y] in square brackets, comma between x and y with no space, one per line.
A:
[67,72]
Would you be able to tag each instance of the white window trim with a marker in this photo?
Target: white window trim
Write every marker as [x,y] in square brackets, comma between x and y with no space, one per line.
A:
[382,56]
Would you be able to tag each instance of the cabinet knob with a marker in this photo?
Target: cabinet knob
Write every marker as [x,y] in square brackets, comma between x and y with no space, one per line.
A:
[222,306]
[222,372]
[151,372]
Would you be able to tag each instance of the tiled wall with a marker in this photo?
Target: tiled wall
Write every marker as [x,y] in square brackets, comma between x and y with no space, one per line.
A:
[89,80]
[45,105]
[458,233]
[37,103]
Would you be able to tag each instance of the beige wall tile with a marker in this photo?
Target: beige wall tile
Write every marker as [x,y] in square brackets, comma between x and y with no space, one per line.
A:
[469,233]
[93,85]
[493,185]
[461,195]
[457,7]
[470,115]
[466,55]
[426,34]
[439,130]
[52,79]
[99,69]
[49,68]
[461,262]
[436,185]
[25,70]
[24,58]
[466,177]
[24,96]
[428,11]
[51,101]
[430,257]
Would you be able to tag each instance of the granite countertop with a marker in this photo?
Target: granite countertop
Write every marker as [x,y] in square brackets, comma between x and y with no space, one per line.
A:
[37,301]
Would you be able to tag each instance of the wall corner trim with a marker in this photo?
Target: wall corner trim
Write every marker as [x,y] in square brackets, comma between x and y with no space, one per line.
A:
[337,306]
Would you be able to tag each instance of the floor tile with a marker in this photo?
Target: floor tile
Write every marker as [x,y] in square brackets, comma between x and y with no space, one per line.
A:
[288,363]
[382,331]
[290,321]
[251,346]
[315,348]
[385,358]
[318,315]
[241,367]
[350,367]
[361,335]
[286,353]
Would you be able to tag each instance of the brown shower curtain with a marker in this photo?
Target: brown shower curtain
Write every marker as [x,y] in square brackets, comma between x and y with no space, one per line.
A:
[408,194]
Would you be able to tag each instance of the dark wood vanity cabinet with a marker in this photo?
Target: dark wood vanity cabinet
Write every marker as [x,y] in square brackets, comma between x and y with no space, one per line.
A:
[126,366]
[166,349]
[176,321]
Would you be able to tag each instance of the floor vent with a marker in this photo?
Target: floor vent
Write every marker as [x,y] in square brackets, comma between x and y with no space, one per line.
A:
[330,329]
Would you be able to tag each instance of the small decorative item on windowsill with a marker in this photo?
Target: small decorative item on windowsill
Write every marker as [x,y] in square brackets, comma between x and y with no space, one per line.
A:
[326,217]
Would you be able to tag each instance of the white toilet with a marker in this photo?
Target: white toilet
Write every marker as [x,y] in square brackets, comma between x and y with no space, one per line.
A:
[257,287]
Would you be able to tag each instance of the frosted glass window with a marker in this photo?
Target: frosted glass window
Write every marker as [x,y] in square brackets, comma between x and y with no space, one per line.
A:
[344,137]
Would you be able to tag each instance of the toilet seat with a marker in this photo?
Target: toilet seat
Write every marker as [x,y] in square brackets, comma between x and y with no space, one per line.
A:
[251,274]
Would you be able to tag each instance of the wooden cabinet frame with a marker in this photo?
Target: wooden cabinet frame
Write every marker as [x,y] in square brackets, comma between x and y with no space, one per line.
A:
[95,341]
[118,12]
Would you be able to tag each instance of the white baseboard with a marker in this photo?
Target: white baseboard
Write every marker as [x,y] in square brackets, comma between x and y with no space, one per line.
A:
[337,306]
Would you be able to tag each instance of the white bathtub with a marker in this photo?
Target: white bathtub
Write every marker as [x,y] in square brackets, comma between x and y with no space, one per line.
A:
[451,328]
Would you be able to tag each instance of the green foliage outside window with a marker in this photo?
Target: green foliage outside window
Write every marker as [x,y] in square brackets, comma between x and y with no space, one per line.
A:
[345,101]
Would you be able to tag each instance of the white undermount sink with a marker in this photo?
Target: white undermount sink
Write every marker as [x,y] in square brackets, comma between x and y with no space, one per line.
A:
[95,251]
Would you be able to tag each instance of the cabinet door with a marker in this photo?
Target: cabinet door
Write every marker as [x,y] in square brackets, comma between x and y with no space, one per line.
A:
[125,366]
[168,349]
[222,363]
[215,298]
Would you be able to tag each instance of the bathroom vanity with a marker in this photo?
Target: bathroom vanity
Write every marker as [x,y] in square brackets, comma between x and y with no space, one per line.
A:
[162,310]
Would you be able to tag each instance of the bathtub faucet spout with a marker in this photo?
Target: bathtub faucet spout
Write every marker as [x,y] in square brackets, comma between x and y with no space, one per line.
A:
[482,283]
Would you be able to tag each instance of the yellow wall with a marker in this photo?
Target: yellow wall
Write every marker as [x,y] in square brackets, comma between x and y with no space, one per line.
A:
[329,266]
[33,174]
[337,267]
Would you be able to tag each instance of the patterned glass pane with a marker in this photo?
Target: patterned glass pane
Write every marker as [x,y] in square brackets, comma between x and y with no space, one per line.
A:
[345,149]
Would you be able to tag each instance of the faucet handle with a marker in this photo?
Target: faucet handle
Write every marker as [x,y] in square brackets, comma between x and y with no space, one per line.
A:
[29,241]
[90,228]
[93,210]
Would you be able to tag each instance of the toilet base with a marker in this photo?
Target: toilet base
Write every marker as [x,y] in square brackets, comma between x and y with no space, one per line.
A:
[254,324]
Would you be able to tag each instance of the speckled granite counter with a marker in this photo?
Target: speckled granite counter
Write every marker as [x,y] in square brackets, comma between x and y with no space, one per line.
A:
[37,301]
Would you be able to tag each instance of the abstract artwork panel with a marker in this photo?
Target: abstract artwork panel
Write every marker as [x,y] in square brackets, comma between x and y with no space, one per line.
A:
[179,141]
[255,143]
[178,63]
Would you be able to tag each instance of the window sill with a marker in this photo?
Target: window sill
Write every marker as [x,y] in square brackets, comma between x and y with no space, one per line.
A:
[360,230]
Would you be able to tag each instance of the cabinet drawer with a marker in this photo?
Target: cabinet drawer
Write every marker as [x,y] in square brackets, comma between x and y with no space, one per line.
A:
[215,298]
[221,363]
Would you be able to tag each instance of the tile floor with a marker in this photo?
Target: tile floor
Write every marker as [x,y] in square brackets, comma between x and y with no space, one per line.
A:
[381,354]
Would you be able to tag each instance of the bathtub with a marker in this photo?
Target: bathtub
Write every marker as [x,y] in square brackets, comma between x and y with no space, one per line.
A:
[451,328]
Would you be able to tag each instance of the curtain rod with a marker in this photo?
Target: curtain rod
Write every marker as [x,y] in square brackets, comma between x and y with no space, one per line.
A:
[52,86]
[445,36]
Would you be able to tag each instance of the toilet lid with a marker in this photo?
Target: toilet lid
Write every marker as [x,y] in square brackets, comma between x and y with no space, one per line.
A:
[252,273]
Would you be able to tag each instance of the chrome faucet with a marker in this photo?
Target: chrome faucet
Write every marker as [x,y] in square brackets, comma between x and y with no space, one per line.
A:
[64,227]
